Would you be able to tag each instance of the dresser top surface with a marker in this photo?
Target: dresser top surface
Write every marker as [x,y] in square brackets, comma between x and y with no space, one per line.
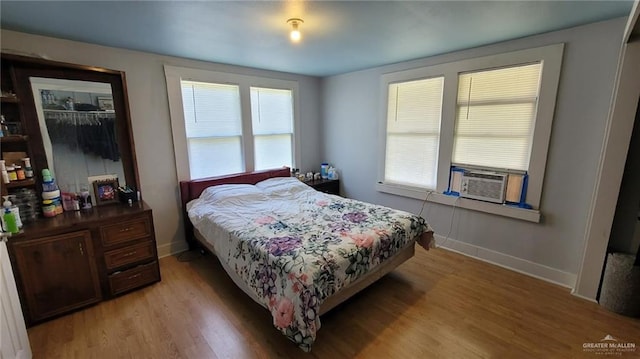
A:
[98,215]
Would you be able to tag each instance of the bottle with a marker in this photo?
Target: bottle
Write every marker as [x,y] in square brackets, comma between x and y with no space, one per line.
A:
[13,176]
[86,198]
[28,170]
[15,210]
[19,173]
[75,199]
[331,173]
[9,218]
[5,174]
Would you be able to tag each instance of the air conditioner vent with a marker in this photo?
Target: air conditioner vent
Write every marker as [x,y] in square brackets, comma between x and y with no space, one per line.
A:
[485,186]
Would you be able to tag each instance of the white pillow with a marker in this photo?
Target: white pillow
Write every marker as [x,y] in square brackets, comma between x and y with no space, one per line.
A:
[282,186]
[224,192]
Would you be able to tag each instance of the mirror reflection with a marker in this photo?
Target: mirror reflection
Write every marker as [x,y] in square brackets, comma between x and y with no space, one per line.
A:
[78,126]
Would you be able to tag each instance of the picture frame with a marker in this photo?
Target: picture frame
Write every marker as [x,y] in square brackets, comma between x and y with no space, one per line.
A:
[106,191]
[105,103]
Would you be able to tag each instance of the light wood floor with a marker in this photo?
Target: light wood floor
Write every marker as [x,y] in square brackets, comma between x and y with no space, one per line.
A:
[438,304]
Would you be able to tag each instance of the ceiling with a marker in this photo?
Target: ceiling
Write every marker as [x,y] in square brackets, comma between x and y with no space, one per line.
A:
[338,36]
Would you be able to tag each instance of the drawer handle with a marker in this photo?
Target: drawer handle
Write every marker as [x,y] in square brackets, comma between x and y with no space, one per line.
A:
[135,276]
[129,254]
[127,229]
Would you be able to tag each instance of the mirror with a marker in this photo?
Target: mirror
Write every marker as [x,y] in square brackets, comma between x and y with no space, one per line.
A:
[77,123]
[76,120]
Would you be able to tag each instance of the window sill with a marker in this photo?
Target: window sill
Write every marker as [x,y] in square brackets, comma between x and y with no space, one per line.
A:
[530,215]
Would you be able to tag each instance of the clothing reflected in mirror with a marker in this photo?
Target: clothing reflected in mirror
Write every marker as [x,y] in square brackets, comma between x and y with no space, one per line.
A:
[78,127]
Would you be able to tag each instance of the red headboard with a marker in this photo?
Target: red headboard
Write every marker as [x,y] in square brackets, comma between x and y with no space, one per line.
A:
[192,189]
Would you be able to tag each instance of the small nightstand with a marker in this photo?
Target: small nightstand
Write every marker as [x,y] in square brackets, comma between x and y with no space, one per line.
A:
[326,186]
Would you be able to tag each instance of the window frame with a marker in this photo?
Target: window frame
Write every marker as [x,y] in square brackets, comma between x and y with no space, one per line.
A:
[551,58]
[174,75]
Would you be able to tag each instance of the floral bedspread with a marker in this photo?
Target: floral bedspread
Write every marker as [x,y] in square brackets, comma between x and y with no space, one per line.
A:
[294,246]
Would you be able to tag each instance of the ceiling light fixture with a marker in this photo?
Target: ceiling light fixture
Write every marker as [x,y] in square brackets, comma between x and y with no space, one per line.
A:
[294,35]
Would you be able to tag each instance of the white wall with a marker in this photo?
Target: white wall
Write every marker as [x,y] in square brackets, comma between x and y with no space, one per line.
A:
[552,249]
[150,116]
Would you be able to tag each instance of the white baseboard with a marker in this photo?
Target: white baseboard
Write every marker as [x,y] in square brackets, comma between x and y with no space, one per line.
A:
[519,265]
[573,292]
[172,248]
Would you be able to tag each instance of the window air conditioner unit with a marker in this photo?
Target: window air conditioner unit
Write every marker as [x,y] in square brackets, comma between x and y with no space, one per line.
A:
[484,186]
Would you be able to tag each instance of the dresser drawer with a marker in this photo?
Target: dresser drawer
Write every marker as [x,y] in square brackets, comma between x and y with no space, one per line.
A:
[130,254]
[134,278]
[125,231]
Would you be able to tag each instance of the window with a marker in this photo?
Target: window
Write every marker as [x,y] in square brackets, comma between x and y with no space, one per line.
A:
[272,116]
[489,112]
[413,132]
[495,111]
[213,125]
[225,123]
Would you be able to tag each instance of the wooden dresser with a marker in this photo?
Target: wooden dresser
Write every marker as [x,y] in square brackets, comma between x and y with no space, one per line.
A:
[82,257]
[76,258]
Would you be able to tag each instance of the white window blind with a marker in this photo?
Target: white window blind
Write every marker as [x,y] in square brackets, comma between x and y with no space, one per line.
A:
[413,130]
[213,126]
[272,123]
[495,117]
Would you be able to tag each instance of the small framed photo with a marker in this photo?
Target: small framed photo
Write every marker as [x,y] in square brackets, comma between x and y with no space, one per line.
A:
[105,103]
[106,191]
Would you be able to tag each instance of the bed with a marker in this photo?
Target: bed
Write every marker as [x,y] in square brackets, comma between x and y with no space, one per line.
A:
[296,251]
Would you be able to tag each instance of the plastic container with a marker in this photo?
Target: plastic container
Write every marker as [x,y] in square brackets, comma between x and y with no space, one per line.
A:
[50,186]
[70,201]
[28,204]
[48,208]
[324,170]
[20,173]
[46,175]
[11,201]
[50,194]
[58,204]
[11,171]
